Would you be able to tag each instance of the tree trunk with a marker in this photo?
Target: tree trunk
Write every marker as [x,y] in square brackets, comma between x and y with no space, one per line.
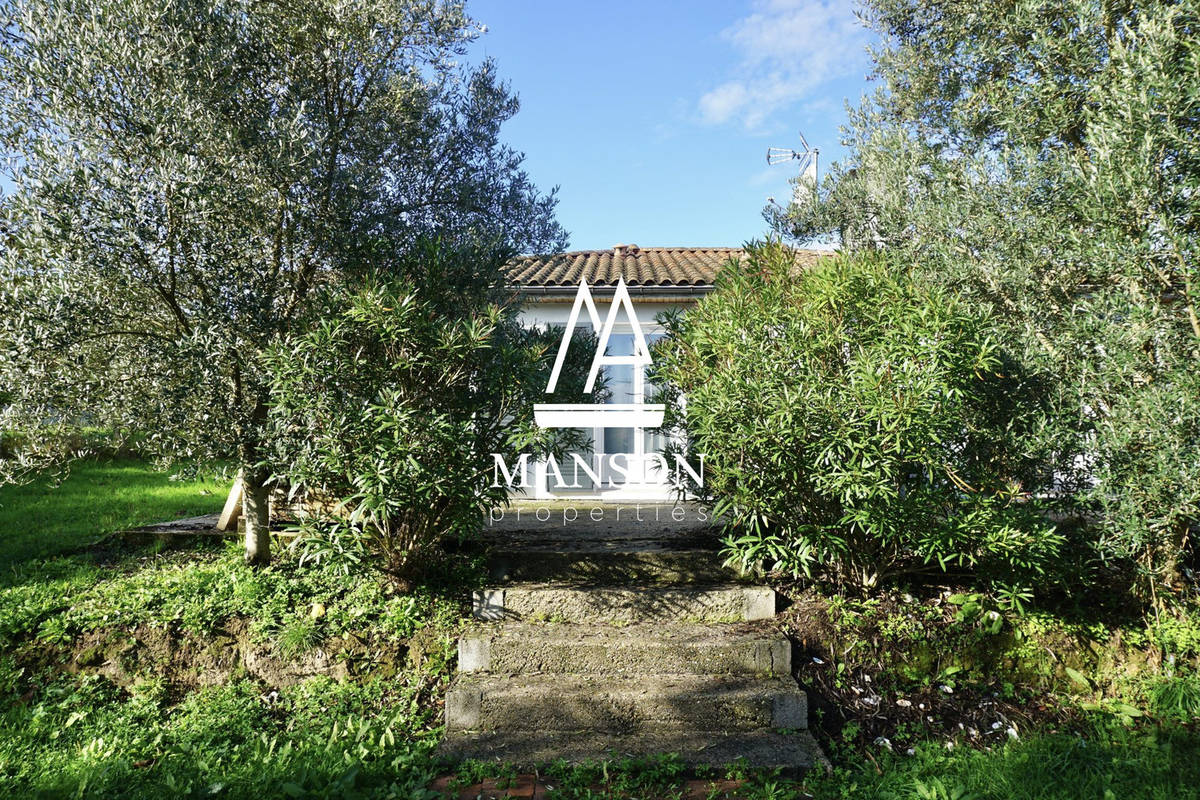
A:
[1175,553]
[256,502]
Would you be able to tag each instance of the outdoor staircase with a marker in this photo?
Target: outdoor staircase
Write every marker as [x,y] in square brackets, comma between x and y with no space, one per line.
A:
[625,638]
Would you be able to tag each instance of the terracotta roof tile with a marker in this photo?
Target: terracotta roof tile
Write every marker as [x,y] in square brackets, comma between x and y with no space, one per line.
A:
[645,266]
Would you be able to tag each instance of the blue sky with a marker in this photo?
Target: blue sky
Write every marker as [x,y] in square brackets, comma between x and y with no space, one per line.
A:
[654,118]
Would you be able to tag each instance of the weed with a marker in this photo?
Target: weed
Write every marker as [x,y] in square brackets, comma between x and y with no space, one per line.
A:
[298,636]
[1177,698]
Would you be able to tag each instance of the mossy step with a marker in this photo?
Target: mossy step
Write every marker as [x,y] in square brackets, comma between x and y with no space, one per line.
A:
[616,704]
[612,567]
[752,648]
[793,753]
[625,605]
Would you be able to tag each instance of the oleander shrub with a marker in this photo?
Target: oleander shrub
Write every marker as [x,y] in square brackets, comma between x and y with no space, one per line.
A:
[388,410]
[858,425]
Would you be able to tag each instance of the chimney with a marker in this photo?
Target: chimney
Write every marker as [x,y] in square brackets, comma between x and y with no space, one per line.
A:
[618,250]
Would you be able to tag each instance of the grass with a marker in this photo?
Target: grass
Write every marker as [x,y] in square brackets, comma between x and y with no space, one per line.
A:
[321,738]
[139,672]
[49,516]
[123,674]
[197,590]
[1105,760]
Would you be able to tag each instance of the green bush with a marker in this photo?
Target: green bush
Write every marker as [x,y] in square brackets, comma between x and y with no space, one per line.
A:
[857,424]
[1064,199]
[392,405]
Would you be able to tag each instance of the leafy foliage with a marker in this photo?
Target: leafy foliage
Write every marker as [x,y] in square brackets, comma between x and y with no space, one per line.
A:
[857,424]
[1043,161]
[1178,698]
[392,406]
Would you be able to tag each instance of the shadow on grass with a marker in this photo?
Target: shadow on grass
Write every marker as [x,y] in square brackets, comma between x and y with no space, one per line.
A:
[1148,762]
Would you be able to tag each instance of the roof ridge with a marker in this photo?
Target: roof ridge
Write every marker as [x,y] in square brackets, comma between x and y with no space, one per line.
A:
[657,248]
[663,267]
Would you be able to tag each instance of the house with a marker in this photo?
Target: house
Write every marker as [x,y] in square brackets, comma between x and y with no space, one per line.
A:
[657,279]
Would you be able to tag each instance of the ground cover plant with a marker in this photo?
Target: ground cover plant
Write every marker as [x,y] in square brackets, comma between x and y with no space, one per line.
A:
[951,696]
[128,671]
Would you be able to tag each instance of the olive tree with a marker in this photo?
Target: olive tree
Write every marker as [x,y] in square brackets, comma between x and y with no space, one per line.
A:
[189,174]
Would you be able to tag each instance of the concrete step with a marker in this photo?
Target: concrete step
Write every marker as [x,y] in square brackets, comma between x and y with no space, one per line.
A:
[649,565]
[618,705]
[620,605]
[794,753]
[525,648]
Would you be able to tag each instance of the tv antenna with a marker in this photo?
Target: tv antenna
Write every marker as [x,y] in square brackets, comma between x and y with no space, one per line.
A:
[807,158]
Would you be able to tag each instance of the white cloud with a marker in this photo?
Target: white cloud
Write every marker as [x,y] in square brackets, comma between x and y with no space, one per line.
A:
[787,49]
[724,101]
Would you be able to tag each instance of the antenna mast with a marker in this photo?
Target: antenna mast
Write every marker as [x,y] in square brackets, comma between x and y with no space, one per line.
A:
[808,165]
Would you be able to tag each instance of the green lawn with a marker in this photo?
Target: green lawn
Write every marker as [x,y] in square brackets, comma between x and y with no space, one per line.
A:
[47,517]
